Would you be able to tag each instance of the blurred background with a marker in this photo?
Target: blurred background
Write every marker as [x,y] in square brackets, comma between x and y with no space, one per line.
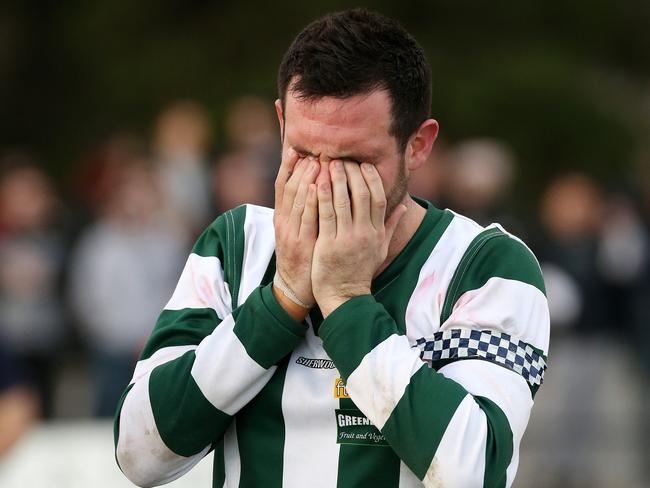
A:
[127,127]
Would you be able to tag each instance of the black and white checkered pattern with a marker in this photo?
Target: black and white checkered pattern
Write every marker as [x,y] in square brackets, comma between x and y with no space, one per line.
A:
[498,347]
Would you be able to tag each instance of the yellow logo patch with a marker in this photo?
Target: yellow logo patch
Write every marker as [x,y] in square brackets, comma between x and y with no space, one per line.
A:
[339,389]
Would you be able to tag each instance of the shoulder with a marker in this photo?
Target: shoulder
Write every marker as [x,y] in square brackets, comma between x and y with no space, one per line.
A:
[498,285]
[243,242]
[487,252]
[234,228]
[492,253]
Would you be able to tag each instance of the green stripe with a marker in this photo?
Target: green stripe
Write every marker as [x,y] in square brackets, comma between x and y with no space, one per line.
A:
[353,330]
[498,448]
[376,467]
[396,293]
[234,255]
[188,326]
[224,239]
[260,435]
[266,331]
[186,420]
[420,418]
[492,254]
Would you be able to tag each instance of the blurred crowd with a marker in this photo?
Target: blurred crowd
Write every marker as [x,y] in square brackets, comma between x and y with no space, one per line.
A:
[87,263]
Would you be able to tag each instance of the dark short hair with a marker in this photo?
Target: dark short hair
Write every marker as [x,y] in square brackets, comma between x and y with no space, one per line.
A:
[357,51]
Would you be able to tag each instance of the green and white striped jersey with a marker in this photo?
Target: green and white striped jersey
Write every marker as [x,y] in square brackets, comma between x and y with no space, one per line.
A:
[429,381]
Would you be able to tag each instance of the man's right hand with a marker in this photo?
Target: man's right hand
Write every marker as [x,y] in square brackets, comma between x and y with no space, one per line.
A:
[296,227]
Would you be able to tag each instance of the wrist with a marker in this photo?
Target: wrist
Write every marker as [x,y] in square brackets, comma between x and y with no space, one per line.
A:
[296,312]
[330,303]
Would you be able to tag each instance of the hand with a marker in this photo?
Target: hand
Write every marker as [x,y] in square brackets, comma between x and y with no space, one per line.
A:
[296,226]
[353,235]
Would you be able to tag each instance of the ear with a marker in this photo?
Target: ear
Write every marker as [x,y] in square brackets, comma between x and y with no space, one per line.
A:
[278,110]
[420,144]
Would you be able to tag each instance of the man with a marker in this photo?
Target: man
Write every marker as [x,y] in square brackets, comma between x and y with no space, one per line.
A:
[378,341]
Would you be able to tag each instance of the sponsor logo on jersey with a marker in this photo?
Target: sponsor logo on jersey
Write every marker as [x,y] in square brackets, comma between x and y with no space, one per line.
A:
[315,363]
[354,428]
[339,389]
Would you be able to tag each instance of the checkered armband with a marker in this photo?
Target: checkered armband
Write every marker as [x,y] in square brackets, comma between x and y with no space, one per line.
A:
[498,347]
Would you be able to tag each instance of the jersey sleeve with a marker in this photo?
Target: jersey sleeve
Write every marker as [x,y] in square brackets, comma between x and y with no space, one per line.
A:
[450,406]
[204,361]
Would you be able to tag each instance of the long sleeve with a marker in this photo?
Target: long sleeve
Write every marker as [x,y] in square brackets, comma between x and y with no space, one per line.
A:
[453,406]
[204,361]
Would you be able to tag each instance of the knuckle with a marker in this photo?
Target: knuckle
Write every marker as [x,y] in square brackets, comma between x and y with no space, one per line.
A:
[380,202]
[341,204]
[298,205]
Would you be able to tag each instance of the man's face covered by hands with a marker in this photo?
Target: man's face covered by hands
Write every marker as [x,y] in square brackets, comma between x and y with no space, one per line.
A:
[353,130]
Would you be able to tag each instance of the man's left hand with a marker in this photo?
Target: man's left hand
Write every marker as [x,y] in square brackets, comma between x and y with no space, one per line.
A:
[353,234]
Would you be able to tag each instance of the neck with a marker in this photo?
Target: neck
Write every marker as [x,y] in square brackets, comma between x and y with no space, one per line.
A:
[406,228]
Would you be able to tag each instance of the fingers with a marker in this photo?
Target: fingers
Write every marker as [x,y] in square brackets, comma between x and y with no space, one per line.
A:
[360,193]
[309,223]
[299,203]
[326,215]
[377,195]
[291,187]
[286,168]
[341,198]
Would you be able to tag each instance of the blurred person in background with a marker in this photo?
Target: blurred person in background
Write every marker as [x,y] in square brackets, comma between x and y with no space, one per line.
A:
[32,252]
[623,260]
[181,145]
[123,270]
[571,212]
[245,172]
[92,178]
[592,252]
[18,401]
[251,126]
[238,178]
[478,176]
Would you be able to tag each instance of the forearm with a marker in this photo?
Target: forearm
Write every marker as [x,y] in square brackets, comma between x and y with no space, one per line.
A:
[180,406]
[440,430]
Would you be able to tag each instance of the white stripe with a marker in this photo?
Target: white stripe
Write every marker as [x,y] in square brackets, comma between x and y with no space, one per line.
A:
[259,244]
[201,285]
[224,372]
[425,305]
[507,389]
[406,477]
[159,357]
[460,457]
[311,452]
[504,305]
[232,461]
[378,383]
[142,455]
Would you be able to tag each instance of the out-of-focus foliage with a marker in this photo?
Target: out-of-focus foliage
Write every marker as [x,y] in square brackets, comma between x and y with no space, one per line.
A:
[564,83]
